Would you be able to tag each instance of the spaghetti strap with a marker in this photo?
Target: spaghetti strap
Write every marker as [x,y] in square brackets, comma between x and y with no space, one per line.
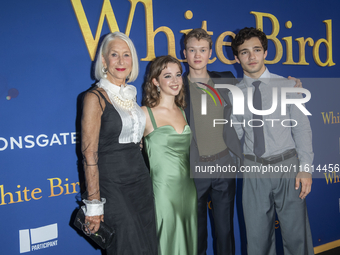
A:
[183,115]
[152,118]
[101,94]
[92,91]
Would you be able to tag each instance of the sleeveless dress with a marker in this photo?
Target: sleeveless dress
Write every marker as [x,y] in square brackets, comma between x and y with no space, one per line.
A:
[125,182]
[174,190]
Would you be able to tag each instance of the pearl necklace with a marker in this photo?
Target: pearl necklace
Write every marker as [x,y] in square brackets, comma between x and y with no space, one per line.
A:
[126,104]
[123,96]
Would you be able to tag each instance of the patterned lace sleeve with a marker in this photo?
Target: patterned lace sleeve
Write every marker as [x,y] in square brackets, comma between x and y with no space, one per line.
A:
[90,127]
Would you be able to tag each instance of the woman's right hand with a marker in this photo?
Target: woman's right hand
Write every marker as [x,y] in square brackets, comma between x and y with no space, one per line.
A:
[93,222]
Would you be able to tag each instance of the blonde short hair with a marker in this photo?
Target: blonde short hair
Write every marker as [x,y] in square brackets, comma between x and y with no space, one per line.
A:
[103,50]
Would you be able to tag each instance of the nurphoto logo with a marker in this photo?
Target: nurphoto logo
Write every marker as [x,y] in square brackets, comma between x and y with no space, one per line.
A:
[238,99]
[204,97]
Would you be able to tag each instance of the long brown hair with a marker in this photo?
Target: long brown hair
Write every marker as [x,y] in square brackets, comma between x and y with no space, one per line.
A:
[151,96]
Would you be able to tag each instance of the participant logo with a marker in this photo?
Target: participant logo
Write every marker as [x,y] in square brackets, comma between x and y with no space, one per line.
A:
[38,238]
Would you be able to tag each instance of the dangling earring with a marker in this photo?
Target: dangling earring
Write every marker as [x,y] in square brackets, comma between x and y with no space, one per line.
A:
[104,70]
[158,89]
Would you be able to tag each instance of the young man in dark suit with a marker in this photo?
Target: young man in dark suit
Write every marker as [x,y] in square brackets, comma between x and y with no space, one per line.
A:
[215,151]
[211,147]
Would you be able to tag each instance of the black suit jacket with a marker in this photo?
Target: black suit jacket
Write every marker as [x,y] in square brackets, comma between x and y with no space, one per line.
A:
[229,133]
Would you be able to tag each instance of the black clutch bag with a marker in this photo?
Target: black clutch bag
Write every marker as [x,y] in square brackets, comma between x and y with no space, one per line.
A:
[103,237]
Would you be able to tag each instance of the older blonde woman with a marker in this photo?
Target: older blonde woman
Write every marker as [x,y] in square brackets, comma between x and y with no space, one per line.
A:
[119,189]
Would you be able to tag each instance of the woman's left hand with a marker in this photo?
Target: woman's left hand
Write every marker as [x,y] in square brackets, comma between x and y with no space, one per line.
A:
[93,222]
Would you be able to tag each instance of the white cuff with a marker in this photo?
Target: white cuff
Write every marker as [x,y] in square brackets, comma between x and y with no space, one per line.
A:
[94,207]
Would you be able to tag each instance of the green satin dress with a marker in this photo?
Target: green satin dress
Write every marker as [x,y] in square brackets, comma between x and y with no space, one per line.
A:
[174,190]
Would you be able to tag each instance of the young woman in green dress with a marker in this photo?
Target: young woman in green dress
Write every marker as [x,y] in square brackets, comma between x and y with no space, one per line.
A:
[166,142]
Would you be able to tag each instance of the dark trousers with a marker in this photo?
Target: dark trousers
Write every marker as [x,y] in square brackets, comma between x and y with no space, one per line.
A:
[222,193]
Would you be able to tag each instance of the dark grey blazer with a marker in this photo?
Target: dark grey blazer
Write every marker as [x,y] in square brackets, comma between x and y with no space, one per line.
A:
[229,133]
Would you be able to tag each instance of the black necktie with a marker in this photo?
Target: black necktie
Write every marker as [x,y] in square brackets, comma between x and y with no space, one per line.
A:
[259,147]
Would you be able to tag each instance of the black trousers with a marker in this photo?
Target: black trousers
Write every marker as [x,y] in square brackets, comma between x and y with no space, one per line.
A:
[222,193]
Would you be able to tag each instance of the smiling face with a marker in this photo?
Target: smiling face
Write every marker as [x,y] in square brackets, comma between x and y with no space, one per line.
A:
[197,53]
[251,56]
[118,61]
[170,80]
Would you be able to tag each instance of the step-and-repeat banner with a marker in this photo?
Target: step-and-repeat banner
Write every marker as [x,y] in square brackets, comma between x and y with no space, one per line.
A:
[46,53]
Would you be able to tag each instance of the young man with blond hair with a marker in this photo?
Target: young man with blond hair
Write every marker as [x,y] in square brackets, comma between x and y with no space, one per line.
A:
[211,146]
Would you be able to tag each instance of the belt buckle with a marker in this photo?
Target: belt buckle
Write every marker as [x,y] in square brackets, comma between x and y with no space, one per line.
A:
[208,158]
[212,157]
[264,161]
[204,158]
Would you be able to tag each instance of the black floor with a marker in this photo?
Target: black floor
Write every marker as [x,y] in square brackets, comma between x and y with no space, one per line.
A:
[335,251]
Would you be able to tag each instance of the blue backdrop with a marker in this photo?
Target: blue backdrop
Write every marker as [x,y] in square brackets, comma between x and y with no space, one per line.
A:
[46,53]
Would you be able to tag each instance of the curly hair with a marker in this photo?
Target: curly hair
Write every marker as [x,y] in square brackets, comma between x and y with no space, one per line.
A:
[151,96]
[246,34]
